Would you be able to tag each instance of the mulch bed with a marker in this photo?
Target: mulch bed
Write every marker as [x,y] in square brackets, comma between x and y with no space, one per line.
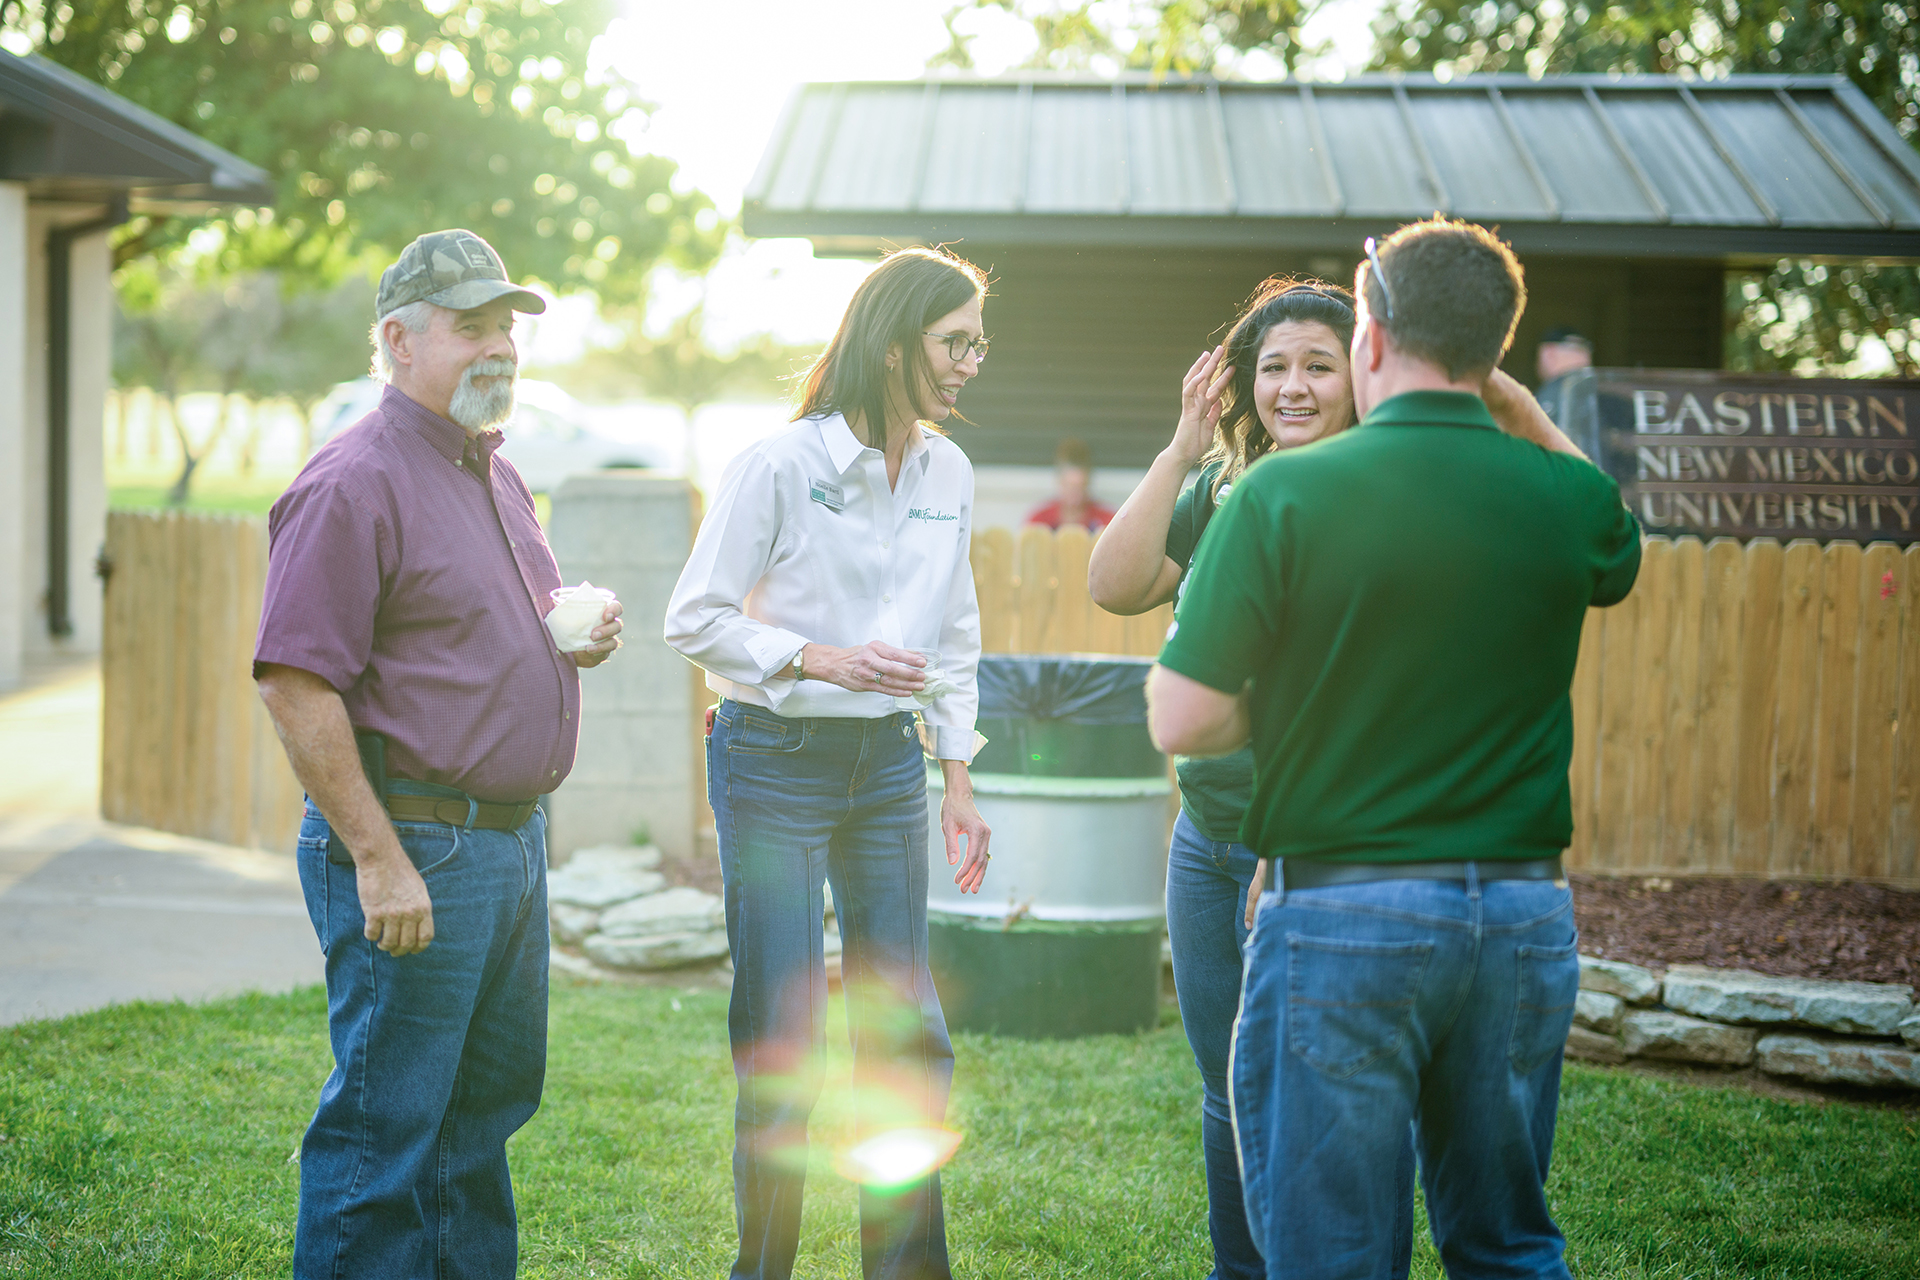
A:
[1845,930]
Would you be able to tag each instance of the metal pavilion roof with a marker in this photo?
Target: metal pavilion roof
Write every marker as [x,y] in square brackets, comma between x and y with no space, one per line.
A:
[69,139]
[1642,166]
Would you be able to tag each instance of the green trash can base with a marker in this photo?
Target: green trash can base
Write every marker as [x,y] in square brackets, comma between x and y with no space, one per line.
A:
[1046,981]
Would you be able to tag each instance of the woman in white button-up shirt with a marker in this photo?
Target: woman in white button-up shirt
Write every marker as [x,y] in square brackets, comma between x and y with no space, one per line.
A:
[830,600]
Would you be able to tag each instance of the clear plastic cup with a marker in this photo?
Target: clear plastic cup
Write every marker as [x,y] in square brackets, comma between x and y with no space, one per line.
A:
[576,612]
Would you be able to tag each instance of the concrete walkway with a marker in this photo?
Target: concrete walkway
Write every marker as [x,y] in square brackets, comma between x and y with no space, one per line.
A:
[93,913]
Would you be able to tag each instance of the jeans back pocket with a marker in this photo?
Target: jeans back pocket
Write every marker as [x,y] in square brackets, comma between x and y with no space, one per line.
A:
[1546,983]
[1349,1003]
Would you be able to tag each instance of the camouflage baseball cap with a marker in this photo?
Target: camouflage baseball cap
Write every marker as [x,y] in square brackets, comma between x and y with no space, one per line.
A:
[455,269]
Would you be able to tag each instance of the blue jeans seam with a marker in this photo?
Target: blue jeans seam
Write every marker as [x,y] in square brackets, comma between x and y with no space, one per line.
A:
[360,1105]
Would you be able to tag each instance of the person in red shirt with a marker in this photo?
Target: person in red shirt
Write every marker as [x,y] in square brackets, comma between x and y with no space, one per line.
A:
[1072,503]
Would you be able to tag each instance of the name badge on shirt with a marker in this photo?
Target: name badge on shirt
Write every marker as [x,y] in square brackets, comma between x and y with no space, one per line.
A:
[827,494]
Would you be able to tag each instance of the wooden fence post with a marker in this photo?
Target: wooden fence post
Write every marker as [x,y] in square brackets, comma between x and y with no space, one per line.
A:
[1722,599]
[1830,844]
[1613,815]
[1800,583]
[1585,697]
[1037,588]
[1072,603]
[1903,813]
[991,556]
[1877,725]
[1648,752]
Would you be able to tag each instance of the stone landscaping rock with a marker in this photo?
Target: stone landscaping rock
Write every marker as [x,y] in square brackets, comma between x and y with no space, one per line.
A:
[1736,995]
[571,923]
[677,910]
[605,875]
[1909,1030]
[1592,1046]
[1630,982]
[559,961]
[1598,1011]
[1650,1034]
[658,950]
[1831,1060]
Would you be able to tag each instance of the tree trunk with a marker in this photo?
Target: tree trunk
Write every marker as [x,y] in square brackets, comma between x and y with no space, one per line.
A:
[177,495]
[153,425]
[304,406]
[182,488]
[250,442]
[120,442]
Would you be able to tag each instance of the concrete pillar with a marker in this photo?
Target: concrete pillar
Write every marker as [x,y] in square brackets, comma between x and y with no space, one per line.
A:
[639,765]
[42,217]
[91,369]
[15,428]
[89,366]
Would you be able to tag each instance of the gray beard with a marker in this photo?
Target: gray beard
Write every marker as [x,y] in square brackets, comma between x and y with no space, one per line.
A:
[477,409]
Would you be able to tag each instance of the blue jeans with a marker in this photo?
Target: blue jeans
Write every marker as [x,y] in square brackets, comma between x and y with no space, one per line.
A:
[438,1058]
[797,802]
[1207,883]
[1369,1005]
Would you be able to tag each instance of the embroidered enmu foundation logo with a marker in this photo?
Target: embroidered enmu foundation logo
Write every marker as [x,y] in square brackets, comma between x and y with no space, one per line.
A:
[928,513]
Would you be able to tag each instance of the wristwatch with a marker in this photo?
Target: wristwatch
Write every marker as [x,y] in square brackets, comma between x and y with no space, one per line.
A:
[799,674]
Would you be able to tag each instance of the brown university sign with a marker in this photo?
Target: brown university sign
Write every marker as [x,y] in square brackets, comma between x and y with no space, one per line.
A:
[1755,456]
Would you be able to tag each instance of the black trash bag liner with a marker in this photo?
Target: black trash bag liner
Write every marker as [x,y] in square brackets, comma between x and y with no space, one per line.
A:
[1066,717]
[1075,689]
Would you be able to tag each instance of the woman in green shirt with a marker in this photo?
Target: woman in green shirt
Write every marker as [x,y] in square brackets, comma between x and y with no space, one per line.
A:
[1279,381]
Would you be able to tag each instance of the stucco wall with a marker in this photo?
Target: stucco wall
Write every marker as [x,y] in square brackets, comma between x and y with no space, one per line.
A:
[23,429]
[13,425]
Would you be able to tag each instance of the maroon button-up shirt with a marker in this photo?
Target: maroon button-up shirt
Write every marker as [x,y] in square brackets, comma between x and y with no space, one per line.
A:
[406,569]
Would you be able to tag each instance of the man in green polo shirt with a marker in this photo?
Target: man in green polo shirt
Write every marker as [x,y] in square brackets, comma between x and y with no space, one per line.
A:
[1392,616]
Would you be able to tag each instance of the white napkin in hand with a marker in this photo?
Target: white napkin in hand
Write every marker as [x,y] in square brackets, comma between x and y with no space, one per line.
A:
[576,612]
[937,686]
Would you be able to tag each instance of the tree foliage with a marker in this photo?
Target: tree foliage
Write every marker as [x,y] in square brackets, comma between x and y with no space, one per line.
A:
[251,337]
[381,119]
[1801,315]
[1178,36]
[681,367]
[1877,45]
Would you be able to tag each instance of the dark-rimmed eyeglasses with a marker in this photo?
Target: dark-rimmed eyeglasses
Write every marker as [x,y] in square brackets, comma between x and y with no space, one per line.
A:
[958,344]
[1380,274]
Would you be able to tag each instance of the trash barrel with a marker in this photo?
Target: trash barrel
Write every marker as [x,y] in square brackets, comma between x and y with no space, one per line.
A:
[1064,938]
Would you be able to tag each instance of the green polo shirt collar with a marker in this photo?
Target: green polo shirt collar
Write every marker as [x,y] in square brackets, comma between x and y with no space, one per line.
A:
[1431,409]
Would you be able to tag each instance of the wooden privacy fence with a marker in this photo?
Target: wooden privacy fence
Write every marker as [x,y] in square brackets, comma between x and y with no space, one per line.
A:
[186,745]
[1033,597]
[1739,714]
[1753,711]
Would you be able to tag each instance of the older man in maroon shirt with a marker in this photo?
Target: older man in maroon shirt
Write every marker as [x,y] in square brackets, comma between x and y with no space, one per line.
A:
[424,706]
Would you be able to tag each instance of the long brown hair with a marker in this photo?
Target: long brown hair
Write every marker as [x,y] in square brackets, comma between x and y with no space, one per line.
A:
[909,290]
[1239,439]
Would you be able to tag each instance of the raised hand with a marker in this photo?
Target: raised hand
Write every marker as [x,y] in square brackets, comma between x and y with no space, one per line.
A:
[1201,394]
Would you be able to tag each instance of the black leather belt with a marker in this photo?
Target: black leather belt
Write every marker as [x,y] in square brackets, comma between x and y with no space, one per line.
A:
[1301,874]
[491,816]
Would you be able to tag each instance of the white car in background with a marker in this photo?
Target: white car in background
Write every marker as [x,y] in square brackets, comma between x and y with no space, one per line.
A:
[550,437]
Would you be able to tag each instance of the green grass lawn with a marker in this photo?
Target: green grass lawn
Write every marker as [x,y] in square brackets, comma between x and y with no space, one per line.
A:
[232,494]
[220,491]
[153,1141]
